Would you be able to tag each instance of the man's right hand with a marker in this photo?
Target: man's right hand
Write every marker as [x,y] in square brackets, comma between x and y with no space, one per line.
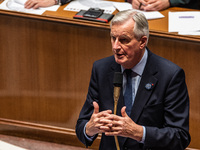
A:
[94,124]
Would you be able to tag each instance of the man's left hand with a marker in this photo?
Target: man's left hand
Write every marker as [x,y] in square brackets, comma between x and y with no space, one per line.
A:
[122,126]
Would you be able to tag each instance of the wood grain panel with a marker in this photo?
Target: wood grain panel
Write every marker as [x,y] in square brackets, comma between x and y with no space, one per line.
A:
[45,69]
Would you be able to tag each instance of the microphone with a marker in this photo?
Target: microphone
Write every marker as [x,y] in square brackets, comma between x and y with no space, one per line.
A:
[117,82]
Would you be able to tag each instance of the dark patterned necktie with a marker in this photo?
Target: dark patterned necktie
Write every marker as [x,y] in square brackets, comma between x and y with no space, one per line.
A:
[128,99]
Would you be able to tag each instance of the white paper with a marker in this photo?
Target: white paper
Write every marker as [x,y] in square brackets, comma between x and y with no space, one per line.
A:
[189,32]
[7,146]
[184,21]
[152,14]
[22,2]
[77,5]
[122,5]
[51,8]
[18,5]
[148,14]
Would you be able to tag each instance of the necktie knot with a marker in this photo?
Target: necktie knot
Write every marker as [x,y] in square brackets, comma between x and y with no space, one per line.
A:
[128,72]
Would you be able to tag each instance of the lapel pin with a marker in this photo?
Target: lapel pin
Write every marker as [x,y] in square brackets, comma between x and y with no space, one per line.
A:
[149,86]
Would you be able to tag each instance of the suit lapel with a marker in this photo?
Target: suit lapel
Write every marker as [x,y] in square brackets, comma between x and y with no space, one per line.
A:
[143,96]
[145,89]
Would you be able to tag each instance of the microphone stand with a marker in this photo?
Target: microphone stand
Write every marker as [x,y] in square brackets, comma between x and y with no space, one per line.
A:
[117,82]
[116,98]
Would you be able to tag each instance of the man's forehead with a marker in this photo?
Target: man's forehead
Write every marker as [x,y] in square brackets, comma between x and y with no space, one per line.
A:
[129,21]
[122,29]
[126,24]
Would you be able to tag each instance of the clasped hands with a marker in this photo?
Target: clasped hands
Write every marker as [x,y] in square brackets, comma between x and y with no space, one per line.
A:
[150,5]
[113,125]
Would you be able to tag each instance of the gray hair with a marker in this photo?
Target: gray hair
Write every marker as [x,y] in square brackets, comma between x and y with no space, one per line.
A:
[141,27]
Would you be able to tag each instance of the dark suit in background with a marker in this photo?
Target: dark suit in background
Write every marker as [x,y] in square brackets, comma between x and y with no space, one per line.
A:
[193,4]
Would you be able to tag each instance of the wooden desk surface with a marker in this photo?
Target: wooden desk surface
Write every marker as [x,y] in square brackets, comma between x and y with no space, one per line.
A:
[156,26]
[160,26]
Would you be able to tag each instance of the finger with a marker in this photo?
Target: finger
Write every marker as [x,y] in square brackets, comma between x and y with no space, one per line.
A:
[150,7]
[151,1]
[111,117]
[111,133]
[96,107]
[123,112]
[142,7]
[36,6]
[135,4]
[107,112]
[102,114]
[106,128]
[106,121]
[26,3]
[139,4]
[30,5]
[143,2]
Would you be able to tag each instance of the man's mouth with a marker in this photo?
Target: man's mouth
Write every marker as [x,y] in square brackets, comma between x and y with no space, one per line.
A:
[119,55]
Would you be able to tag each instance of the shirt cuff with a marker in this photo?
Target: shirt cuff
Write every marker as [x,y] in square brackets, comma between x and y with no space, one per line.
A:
[144,135]
[91,138]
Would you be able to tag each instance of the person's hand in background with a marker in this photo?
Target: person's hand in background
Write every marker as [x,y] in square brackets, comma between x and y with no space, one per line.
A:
[39,3]
[150,5]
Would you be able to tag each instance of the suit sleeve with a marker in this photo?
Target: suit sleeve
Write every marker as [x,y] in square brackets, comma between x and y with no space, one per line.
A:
[175,132]
[174,3]
[65,2]
[87,110]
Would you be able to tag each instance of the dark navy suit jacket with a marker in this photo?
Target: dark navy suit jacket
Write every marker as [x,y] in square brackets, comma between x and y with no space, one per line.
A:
[163,109]
[193,4]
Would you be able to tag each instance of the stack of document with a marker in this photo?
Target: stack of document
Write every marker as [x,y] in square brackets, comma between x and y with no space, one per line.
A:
[185,23]
[108,7]
[77,5]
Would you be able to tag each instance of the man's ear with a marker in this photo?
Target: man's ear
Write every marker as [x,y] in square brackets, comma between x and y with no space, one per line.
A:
[143,42]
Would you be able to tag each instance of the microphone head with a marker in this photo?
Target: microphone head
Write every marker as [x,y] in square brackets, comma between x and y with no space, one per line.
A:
[118,79]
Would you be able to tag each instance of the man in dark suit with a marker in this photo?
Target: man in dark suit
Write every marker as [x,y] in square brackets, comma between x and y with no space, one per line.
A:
[159,112]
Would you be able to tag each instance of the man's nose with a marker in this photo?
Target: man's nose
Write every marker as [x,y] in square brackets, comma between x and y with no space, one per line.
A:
[116,44]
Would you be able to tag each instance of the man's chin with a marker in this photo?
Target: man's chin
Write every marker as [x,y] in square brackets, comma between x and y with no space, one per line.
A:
[119,61]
